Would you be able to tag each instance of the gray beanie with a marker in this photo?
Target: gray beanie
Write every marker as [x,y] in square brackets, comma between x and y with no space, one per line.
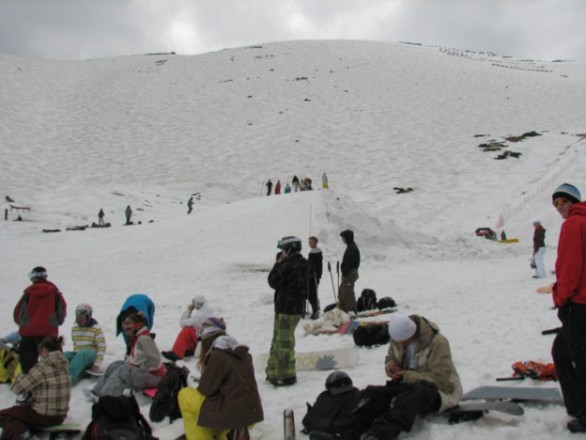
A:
[567,191]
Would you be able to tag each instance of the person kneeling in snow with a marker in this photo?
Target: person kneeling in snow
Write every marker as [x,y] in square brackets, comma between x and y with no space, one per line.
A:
[142,369]
[227,401]
[49,386]
[423,376]
[186,341]
[89,344]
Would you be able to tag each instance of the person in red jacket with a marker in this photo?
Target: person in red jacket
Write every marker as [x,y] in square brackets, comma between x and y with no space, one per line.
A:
[569,296]
[38,314]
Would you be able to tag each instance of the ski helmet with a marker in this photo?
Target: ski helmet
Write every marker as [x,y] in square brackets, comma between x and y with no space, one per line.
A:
[84,309]
[291,244]
[338,382]
[38,272]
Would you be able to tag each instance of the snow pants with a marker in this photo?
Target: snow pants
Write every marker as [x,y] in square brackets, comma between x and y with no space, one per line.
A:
[28,353]
[539,265]
[569,356]
[120,376]
[409,401]
[185,342]
[190,402]
[79,361]
[18,419]
[281,363]
[346,296]
[312,295]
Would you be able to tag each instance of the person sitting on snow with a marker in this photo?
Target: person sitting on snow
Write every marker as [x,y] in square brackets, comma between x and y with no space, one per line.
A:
[89,344]
[186,341]
[137,302]
[226,402]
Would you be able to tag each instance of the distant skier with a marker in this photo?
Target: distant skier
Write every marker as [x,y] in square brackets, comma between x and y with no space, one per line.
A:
[101,217]
[295,183]
[190,205]
[307,182]
[287,189]
[324,181]
[269,186]
[349,267]
[278,187]
[128,213]
[538,249]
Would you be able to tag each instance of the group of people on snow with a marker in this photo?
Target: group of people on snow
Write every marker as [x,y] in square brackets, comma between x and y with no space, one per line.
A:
[422,376]
[297,184]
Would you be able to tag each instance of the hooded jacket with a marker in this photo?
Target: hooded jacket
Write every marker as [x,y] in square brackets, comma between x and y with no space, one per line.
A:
[433,360]
[351,259]
[141,303]
[41,310]
[228,382]
[144,353]
[49,384]
[570,266]
[290,279]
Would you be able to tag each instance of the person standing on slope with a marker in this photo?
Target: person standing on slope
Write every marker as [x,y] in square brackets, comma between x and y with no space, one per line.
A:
[289,277]
[569,296]
[101,217]
[278,187]
[38,314]
[324,181]
[349,267]
[538,249]
[269,186]
[190,205]
[315,260]
[128,213]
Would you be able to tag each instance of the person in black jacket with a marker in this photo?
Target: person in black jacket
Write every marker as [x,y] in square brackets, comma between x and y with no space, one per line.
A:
[349,267]
[289,277]
[315,260]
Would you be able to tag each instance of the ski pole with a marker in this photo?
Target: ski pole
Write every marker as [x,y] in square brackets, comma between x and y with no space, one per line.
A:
[332,278]
[503,379]
[551,331]
[338,272]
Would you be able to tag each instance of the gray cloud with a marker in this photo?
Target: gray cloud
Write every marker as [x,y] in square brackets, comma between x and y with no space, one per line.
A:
[78,29]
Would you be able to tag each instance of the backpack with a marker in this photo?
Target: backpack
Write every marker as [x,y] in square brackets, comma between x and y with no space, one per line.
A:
[371,335]
[165,402]
[386,302]
[535,370]
[117,418]
[350,413]
[9,365]
[367,300]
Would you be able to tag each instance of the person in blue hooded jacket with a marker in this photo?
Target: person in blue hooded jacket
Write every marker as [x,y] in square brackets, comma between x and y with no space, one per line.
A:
[137,302]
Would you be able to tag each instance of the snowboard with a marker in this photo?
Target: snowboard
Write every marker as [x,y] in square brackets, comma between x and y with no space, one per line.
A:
[93,373]
[66,429]
[519,394]
[373,312]
[475,410]
[318,360]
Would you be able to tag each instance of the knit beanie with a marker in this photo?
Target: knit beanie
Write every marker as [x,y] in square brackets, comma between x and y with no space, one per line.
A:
[199,301]
[211,326]
[567,191]
[401,327]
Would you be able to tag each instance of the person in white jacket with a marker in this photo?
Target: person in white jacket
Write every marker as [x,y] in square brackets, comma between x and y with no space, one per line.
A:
[191,319]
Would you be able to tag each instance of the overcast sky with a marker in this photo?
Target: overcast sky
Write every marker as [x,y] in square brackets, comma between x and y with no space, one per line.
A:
[80,29]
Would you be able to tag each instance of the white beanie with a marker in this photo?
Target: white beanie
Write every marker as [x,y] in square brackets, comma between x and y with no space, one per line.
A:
[199,301]
[401,327]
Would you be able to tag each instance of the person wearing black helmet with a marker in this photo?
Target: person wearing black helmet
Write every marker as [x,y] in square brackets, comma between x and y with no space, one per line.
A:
[289,277]
[38,314]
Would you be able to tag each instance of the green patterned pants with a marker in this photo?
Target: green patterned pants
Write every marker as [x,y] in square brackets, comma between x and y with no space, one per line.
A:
[281,363]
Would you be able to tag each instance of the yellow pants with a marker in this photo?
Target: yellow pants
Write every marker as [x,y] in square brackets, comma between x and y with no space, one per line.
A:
[190,402]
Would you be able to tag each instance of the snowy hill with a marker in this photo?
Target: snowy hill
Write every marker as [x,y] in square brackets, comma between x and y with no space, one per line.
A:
[148,131]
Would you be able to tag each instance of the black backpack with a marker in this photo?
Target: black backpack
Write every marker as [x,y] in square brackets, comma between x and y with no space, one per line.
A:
[371,335]
[386,302]
[328,411]
[367,300]
[117,418]
[165,402]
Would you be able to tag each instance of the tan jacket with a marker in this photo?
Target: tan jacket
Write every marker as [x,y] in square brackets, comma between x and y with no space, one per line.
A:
[228,382]
[434,362]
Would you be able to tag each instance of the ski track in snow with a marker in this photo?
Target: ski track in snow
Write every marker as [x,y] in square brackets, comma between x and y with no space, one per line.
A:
[80,136]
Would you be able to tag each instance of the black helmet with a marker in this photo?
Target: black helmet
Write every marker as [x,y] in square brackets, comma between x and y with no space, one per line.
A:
[338,382]
[291,244]
[38,272]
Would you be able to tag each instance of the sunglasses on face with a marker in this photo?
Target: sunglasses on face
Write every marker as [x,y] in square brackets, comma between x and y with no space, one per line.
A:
[558,203]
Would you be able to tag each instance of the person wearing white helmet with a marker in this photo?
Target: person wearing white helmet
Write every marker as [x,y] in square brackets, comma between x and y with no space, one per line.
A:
[89,344]
[423,376]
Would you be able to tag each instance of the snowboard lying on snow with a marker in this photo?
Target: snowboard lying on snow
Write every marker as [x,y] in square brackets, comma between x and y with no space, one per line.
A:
[317,360]
[517,394]
[65,430]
